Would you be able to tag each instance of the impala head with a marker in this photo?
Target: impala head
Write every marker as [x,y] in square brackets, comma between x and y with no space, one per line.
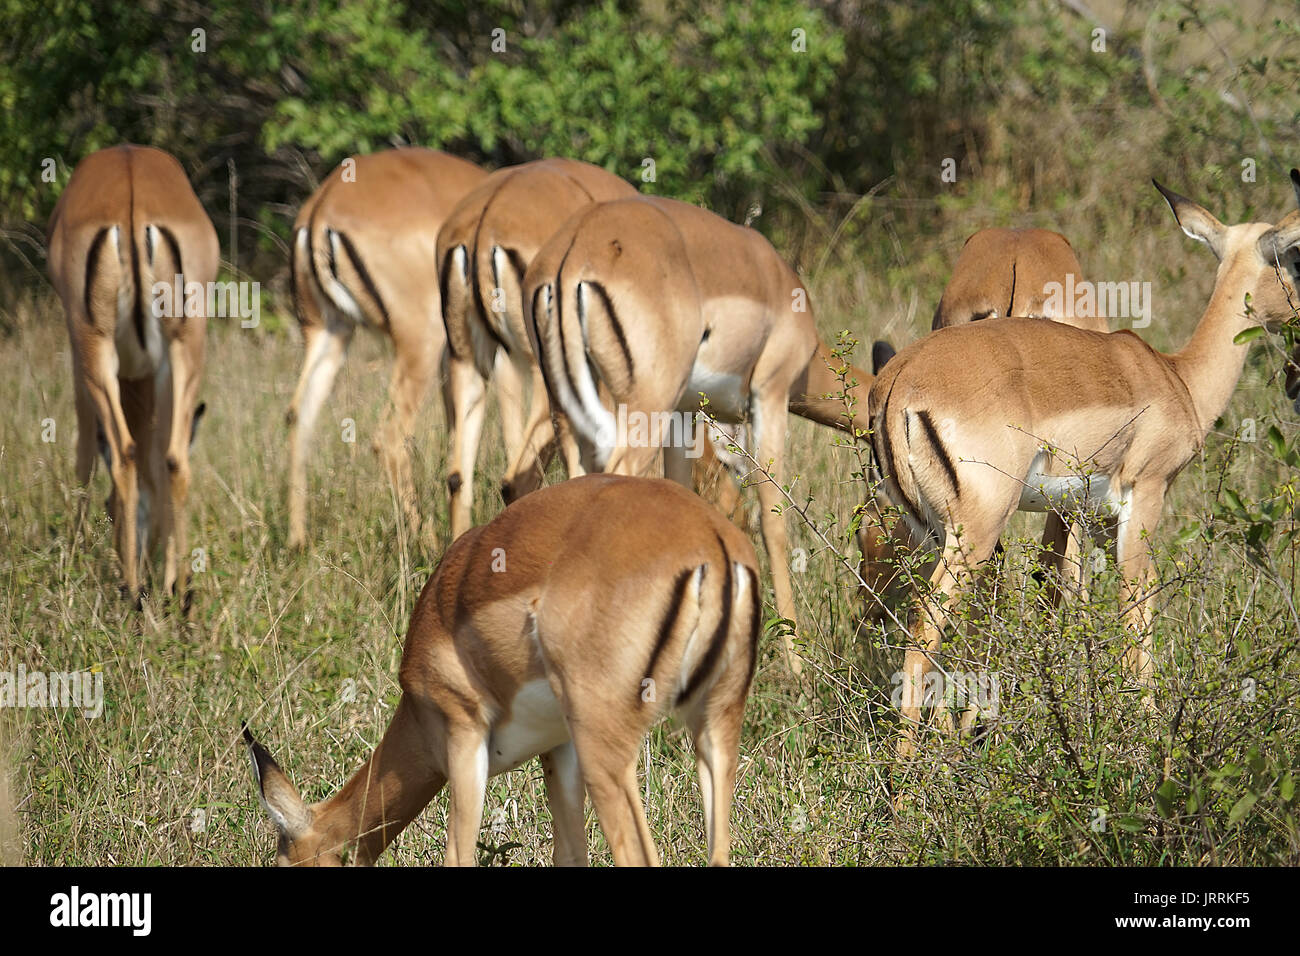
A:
[1266,254]
[1290,258]
[300,840]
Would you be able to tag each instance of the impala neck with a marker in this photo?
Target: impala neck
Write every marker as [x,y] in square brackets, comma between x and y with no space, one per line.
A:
[818,380]
[1210,363]
[385,794]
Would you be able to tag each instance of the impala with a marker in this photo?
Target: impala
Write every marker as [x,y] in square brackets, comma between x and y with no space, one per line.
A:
[1292,265]
[563,628]
[1008,272]
[363,245]
[976,422]
[129,219]
[1000,273]
[656,301]
[484,248]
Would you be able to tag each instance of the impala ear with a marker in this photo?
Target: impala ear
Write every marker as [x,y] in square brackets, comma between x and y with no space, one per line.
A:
[881,352]
[1295,184]
[278,796]
[1195,220]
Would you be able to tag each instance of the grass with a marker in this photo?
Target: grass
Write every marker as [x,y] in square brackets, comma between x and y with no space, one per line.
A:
[306,646]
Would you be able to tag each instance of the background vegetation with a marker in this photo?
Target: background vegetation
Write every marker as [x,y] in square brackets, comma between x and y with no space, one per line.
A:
[838,152]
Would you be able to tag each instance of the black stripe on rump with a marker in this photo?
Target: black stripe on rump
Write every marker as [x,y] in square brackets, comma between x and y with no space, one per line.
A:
[945,460]
[444,287]
[719,640]
[618,328]
[669,622]
[884,449]
[92,261]
[557,296]
[371,289]
[755,623]
[173,247]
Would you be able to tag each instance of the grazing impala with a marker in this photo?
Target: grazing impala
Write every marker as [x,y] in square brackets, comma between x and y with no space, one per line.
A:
[484,248]
[562,629]
[363,248]
[1000,273]
[127,219]
[656,301]
[973,423]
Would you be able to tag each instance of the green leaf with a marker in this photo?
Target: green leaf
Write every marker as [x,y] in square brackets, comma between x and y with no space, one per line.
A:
[1276,441]
[1241,808]
[1165,798]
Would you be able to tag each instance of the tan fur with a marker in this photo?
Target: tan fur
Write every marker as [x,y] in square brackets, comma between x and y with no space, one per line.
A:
[997,393]
[1000,273]
[693,296]
[389,214]
[143,396]
[513,210]
[1004,273]
[581,585]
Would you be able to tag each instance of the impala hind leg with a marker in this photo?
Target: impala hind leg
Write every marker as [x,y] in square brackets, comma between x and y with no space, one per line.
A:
[951,577]
[469,404]
[527,468]
[508,378]
[106,396]
[88,438]
[611,781]
[179,411]
[717,749]
[326,349]
[467,774]
[415,367]
[565,796]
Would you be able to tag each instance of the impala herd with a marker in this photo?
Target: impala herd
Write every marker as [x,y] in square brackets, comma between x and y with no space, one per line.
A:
[584,611]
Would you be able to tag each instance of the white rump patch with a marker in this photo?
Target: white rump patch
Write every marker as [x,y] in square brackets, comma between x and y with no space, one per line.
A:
[337,293]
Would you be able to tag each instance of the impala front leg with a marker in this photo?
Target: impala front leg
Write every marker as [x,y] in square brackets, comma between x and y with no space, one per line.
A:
[1138,520]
